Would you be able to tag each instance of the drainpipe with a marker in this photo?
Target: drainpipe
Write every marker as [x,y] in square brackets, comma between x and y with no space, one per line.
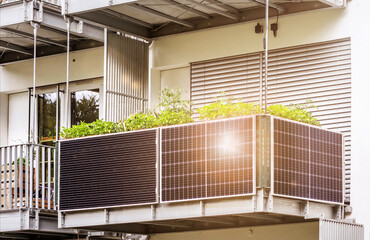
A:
[34,97]
[68,21]
[266,50]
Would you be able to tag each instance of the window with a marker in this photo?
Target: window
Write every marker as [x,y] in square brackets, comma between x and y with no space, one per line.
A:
[84,106]
[47,107]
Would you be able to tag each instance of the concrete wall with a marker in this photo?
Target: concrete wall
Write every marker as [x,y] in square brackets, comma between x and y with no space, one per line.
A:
[301,231]
[174,54]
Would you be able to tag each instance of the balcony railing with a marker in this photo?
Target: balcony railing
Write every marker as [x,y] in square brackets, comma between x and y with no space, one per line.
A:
[55,2]
[27,174]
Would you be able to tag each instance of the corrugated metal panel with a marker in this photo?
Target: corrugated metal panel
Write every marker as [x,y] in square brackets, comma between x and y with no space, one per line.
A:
[127,62]
[108,171]
[336,230]
[319,72]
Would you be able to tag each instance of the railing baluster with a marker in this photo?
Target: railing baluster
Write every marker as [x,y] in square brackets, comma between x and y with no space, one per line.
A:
[21,179]
[37,181]
[10,194]
[15,166]
[5,178]
[26,184]
[55,195]
[43,178]
[1,173]
[32,152]
[49,178]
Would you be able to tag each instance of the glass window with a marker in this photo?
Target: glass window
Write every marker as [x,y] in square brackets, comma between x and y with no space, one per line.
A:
[47,106]
[84,106]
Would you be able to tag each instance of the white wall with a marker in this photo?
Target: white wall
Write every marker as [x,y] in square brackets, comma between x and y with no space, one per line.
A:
[173,53]
[18,118]
[298,231]
[3,118]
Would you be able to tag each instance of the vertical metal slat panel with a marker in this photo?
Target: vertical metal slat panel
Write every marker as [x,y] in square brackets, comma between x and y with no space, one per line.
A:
[336,230]
[126,76]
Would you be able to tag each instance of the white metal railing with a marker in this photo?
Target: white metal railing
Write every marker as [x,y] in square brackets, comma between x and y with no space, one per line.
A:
[55,2]
[28,177]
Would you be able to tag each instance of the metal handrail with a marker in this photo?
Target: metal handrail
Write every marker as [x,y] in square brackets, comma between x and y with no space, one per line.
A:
[54,2]
[28,176]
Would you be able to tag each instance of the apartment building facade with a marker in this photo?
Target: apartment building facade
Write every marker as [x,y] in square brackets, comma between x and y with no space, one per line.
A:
[318,52]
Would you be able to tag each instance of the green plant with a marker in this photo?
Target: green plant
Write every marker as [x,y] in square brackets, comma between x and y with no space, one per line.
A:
[140,121]
[226,108]
[297,112]
[171,100]
[94,128]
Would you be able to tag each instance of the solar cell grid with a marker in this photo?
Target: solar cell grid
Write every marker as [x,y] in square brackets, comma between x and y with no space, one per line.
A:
[307,162]
[206,160]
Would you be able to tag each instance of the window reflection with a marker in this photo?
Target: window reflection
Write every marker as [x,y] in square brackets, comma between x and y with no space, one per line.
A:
[47,106]
[84,106]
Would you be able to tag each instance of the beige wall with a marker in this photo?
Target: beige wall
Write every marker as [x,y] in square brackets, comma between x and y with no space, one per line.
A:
[299,231]
[84,64]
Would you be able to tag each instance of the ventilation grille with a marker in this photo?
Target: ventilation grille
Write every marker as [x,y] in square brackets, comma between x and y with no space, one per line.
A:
[208,160]
[112,170]
[308,162]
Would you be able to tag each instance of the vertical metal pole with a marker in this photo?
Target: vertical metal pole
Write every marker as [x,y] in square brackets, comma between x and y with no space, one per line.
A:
[35,28]
[105,103]
[29,114]
[57,115]
[266,50]
[68,20]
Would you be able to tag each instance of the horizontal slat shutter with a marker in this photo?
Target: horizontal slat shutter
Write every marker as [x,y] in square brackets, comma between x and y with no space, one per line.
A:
[319,72]
[237,76]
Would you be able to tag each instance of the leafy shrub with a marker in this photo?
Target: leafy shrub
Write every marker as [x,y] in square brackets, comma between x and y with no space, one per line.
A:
[95,128]
[297,112]
[140,121]
[225,108]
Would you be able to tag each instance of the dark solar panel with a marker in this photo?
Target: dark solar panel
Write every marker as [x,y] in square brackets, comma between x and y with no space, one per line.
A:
[109,170]
[307,162]
[207,160]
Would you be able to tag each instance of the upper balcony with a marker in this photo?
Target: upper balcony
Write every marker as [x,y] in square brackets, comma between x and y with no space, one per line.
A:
[151,19]
[19,18]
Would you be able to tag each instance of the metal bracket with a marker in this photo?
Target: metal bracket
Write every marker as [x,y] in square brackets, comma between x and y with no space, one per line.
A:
[306,209]
[36,220]
[110,2]
[106,215]
[202,208]
[153,210]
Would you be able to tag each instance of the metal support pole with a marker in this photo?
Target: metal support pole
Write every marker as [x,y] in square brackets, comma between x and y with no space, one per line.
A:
[57,115]
[66,113]
[34,96]
[266,50]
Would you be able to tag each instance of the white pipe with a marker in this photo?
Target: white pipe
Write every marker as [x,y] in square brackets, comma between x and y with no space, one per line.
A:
[266,51]
[34,98]
[66,113]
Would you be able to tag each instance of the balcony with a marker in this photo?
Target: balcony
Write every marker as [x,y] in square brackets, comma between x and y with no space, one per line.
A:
[255,170]
[28,189]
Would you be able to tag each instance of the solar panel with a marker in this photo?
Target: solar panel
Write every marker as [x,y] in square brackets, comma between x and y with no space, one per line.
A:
[206,160]
[108,170]
[307,162]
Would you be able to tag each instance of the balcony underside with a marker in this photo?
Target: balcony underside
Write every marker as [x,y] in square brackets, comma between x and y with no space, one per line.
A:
[152,19]
[198,215]
[28,223]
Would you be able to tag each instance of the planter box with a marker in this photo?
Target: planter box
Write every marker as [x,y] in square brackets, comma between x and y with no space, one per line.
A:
[203,160]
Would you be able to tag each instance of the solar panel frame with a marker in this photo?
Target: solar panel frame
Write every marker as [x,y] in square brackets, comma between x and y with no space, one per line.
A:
[157,173]
[273,193]
[217,197]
